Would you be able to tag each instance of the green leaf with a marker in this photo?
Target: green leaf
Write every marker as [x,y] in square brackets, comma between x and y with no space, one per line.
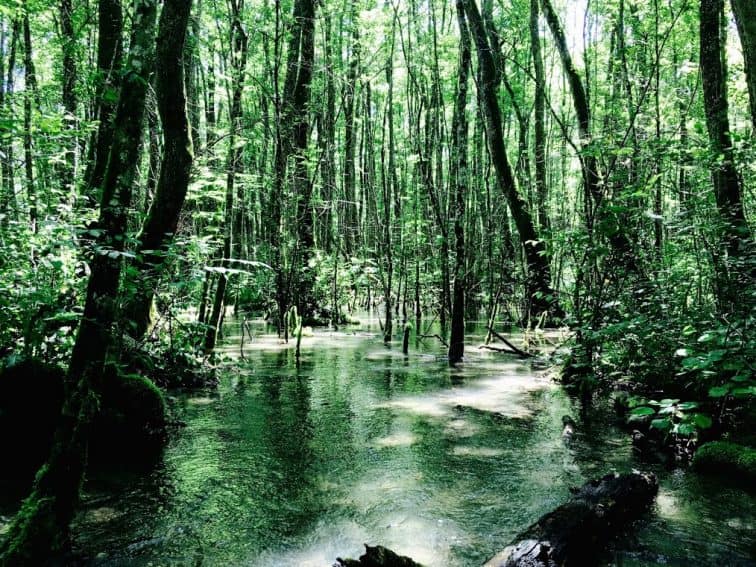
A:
[718,391]
[686,429]
[701,420]
[685,406]
[643,410]
[744,392]
[664,424]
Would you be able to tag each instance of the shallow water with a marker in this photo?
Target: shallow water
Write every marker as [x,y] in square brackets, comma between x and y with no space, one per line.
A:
[294,466]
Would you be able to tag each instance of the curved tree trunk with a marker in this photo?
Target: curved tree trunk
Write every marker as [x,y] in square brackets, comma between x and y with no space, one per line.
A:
[162,220]
[540,297]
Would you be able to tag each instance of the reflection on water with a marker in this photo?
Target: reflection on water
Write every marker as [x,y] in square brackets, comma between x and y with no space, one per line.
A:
[294,466]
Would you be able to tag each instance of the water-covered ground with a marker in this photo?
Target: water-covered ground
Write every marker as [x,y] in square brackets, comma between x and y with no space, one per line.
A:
[290,465]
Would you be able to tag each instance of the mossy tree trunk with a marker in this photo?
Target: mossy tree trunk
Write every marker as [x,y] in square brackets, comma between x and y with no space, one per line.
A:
[40,531]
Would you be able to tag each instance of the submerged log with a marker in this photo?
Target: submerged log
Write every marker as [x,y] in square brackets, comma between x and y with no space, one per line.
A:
[377,556]
[578,531]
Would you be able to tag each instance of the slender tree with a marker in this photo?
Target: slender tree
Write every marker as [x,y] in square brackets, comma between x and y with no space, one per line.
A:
[540,297]
[459,179]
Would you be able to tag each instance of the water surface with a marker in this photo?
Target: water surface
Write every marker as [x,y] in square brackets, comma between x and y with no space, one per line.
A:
[292,465]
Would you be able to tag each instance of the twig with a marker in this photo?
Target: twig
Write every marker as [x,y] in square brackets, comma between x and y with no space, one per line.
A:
[519,352]
[436,336]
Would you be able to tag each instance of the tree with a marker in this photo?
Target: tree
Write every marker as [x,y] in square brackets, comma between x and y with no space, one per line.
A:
[459,179]
[41,528]
[737,269]
[540,297]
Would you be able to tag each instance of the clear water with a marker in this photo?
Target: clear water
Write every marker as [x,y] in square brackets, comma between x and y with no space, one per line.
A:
[294,466]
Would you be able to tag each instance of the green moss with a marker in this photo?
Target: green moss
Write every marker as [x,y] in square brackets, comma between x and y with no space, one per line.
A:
[726,457]
[132,417]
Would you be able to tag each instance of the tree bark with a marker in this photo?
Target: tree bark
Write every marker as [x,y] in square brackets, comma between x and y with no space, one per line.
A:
[239,41]
[69,96]
[576,532]
[40,530]
[109,61]
[30,89]
[539,109]
[162,220]
[459,178]
[745,17]
[539,295]
[727,191]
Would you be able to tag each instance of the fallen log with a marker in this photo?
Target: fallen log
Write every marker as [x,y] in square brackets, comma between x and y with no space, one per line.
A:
[577,532]
[377,556]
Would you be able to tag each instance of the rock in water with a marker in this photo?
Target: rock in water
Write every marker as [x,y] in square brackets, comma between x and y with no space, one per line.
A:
[577,532]
[377,556]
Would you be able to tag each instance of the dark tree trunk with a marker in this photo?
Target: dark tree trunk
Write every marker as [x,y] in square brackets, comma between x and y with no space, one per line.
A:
[109,60]
[348,214]
[539,295]
[727,190]
[745,17]
[40,530]
[162,220]
[459,179]
[69,96]
[30,88]
[539,110]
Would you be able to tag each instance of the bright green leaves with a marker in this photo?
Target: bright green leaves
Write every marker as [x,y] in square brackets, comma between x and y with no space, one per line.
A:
[673,416]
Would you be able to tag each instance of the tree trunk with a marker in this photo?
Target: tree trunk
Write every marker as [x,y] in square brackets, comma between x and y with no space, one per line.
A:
[30,88]
[9,186]
[238,66]
[577,532]
[539,295]
[745,17]
[69,97]
[459,179]
[727,191]
[162,220]
[109,58]
[539,109]
[40,530]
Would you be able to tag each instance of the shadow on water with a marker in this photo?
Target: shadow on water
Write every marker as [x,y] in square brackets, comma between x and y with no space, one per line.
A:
[295,465]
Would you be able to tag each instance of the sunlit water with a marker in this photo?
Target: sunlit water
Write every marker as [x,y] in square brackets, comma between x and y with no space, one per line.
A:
[294,466]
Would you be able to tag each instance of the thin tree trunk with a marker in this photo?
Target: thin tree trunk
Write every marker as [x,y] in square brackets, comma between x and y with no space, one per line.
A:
[239,42]
[69,96]
[30,88]
[459,179]
[539,295]
[540,113]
